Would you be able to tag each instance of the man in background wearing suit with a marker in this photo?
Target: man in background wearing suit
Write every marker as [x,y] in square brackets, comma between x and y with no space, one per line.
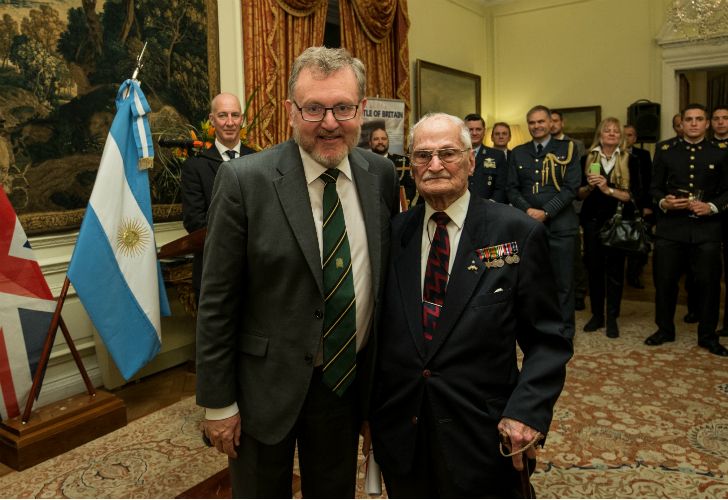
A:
[544,175]
[379,143]
[468,279]
[640,178]
[198,172]
[297,239]
[491,170]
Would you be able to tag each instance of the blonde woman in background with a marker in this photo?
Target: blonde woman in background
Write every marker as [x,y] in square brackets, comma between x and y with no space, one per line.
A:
[605,184]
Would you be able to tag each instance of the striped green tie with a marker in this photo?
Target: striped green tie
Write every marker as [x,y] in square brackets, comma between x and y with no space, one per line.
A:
[340,311]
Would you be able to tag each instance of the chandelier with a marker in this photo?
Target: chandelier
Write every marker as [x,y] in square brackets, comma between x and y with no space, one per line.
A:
[699,19]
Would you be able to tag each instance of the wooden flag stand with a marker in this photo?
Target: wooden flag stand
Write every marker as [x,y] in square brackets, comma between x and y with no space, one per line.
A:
[38,435]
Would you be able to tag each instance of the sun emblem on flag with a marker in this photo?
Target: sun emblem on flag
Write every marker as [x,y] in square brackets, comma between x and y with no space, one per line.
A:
[132,237]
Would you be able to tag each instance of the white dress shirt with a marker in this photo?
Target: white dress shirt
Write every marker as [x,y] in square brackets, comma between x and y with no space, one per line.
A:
[223,149]
[457,212]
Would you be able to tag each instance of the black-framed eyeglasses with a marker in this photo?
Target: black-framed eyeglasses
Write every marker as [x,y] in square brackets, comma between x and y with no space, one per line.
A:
[317,112]
[422,157]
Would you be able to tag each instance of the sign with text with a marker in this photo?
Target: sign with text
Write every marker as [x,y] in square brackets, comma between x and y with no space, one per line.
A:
[387,113]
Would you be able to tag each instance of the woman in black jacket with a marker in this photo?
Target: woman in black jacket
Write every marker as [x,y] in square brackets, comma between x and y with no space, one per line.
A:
[606,183]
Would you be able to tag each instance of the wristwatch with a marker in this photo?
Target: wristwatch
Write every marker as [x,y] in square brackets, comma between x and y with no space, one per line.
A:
[611,192]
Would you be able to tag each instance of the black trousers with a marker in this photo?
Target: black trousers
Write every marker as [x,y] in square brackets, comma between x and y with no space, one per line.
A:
[703,261]
[561,252]
[430,477]
[605,267]
[327,432]
[581,281]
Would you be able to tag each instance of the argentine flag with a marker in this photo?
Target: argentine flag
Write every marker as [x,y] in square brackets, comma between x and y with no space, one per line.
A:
[114,267]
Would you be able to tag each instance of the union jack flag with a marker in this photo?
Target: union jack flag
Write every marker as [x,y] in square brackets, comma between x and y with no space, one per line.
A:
[26,309]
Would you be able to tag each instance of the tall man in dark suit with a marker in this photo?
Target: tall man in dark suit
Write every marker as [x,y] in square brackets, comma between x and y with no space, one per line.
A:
[296,244]
[468,279]
[544,175]
[198,172]
[491,170]
[640,178]
[690,188]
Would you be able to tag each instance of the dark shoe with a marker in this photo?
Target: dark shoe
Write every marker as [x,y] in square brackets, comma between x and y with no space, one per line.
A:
[579,305]
[612,329]
[690,318]
[635,283]
[659,338]
[594,324]
[713,347]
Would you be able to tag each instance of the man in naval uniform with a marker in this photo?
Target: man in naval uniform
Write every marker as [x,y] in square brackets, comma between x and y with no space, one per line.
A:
[719,127]
[690,189]
[543,177]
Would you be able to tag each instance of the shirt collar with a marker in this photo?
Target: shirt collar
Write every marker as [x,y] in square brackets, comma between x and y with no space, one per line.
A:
[224,149]
[456,211]
[313,169]
[544,143]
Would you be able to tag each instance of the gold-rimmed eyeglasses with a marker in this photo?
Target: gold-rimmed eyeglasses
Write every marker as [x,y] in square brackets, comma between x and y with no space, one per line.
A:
[422,157]
[317,112]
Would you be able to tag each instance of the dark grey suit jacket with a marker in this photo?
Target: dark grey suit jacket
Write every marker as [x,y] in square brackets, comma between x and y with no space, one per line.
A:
[260,315]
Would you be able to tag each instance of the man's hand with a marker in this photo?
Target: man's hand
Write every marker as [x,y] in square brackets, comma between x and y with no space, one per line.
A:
[672,202]
[366,435]
[700,208]
[223,434]
[519,436]
[536,213]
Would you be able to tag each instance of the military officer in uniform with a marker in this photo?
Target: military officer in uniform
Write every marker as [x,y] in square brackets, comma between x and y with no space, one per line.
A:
[491,169]
[719,127]
[543,177]
[690,189]
[379,144]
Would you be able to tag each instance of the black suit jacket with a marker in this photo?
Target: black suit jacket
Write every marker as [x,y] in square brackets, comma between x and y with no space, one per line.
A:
[640,176]
[198,177]
[469,375]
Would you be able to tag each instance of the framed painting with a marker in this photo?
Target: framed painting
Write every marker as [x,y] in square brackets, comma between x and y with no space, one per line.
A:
[442,89]
[61,64]
[581,123]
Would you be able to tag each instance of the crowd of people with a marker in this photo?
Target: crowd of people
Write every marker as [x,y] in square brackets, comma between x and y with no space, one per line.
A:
[325,313]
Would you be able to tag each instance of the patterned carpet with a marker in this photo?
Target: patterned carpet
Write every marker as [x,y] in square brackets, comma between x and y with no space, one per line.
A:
[633,422]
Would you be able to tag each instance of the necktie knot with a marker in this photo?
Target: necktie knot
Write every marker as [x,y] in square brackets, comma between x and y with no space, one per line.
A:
[539,148]
[330,176]
[231,153]
[440,218]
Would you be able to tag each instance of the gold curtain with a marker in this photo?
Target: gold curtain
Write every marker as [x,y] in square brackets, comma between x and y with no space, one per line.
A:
[375,31]
[274,33]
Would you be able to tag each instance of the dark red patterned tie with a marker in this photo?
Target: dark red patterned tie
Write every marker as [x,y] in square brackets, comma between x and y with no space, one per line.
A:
[438,261]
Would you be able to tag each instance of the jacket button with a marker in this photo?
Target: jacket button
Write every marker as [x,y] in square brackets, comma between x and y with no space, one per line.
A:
[414,420]
[308,358]
[318,314]
[426,373]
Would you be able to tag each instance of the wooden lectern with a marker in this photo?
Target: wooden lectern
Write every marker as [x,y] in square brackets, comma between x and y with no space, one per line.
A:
[191,243]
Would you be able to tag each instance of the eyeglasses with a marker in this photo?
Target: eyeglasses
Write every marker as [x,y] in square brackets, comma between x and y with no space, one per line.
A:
[317,112]
[423,157]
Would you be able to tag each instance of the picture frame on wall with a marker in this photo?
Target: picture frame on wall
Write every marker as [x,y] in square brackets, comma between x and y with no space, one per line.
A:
[581,122]
[447,90]
[63,66]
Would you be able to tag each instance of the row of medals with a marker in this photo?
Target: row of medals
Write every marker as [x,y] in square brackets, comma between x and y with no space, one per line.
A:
[499,262]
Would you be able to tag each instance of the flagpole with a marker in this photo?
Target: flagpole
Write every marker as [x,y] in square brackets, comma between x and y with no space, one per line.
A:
[46,354]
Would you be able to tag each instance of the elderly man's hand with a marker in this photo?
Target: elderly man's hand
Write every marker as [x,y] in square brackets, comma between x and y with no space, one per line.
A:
[518,436]
[223,434]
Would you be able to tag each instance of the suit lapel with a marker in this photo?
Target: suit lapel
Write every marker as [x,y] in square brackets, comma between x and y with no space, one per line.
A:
[463,278]
[215,158]
[293,196]
[407,267]
[367,187]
